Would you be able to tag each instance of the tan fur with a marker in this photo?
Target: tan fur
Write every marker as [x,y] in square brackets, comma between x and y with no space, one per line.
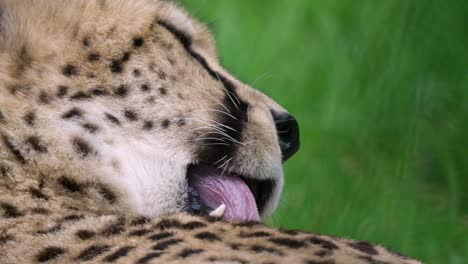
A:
[96,96]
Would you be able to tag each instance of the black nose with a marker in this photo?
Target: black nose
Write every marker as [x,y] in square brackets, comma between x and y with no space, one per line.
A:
[288,134]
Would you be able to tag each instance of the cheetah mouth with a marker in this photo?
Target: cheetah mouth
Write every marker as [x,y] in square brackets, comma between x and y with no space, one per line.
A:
[227,196]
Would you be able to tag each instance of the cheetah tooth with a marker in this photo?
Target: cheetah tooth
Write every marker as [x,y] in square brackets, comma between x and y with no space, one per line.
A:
[218,212]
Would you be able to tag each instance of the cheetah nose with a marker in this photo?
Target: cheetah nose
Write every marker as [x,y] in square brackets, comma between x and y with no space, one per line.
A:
[288,134]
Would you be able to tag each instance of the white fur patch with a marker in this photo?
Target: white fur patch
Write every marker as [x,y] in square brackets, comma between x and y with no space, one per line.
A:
[154,183]
[179,18]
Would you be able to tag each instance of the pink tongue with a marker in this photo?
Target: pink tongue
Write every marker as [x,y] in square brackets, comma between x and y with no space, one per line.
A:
[216,189]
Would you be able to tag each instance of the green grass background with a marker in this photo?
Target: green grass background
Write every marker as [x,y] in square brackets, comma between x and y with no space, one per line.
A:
[380,89]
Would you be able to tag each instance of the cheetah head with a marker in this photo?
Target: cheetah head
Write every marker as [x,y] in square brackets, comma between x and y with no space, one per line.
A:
[130,95]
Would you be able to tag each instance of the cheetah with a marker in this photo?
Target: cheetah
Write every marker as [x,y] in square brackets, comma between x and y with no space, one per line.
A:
[123,140]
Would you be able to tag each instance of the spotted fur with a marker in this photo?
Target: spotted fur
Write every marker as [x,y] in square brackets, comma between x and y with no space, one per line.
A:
[103,107]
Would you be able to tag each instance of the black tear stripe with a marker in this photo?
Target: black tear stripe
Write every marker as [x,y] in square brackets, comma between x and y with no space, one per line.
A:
[210,149]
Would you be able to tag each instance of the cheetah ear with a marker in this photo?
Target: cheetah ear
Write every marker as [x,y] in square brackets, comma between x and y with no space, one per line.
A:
[199,33]
[180,19]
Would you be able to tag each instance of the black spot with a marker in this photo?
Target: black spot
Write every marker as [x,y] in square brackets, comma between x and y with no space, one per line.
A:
[139,232]
[140,221]
[30,118]
[94,56]
[85,234]
[81,147]
[69,70]
[14,89]
[112,119]
[162,75]
[121,91]
[262,249]
[181,122]
[364,247]
[62,90]
[168,223]
[235,246]
[162,91]
[287,242]
[207,236]
[53,229]
[71,207]
[165,123]
[2,118]
[78,96]
[74,112]
[136,73]
[86,42]
[163,245]
[212,219]
[113,229]
[193,225]
[131,115]
[92,128]
[149,257]
[4,238]
[14,150]
[148,125]
[289,232]
[138,42]
[145,87]
[50,253]
[231,260]
[119,253]
[254,234]
[126,57]
[69,184]
[93,251]
[116,66]
[41,183]
[160,236]
[107,194]
[44,98]
[320,262]
[248,224]
[72,217]
[36,144]
[10,211]
[99,91]
[323,253]
[4,170]
[23,61]
[40,210]
[190,252]
[323,243]
[36,193]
